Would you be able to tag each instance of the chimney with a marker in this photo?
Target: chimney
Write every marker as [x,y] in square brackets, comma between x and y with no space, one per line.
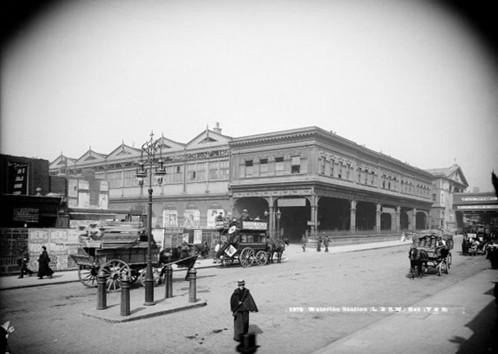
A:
[217,129]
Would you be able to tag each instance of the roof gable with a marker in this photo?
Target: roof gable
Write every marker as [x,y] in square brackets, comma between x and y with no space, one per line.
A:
[208,138]
[453,173]
[62,161]
[123,152]
[91,157]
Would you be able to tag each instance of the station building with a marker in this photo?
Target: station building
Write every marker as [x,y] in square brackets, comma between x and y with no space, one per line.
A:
[304,181]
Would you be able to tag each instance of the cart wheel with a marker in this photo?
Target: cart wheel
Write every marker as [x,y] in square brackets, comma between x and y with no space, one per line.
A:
[114,271]
[155,273]
[442,267]
[246,257]
[449,259]
[261,258]
[88,276]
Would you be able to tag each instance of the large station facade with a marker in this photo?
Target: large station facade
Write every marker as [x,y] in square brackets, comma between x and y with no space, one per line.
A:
[304,181]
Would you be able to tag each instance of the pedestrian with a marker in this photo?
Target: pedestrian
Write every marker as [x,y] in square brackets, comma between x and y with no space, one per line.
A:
[241,303]
[23,263]
[326,243]
[303,242]
[43,265]
[319,244]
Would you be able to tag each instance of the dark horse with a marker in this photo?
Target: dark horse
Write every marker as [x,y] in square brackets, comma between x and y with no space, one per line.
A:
[275,246]
[417,259]
[181,257]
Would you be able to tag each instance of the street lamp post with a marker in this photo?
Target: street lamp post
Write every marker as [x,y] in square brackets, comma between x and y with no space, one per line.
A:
[279,214]
[148,157]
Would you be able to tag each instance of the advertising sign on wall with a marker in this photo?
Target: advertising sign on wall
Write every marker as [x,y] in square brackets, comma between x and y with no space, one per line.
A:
[18,178]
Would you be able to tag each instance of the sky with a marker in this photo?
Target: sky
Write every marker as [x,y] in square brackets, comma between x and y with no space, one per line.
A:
[411,79]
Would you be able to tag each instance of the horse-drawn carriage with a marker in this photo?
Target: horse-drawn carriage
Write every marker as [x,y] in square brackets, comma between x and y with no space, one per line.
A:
[431,248]
[247,242]
[121,249]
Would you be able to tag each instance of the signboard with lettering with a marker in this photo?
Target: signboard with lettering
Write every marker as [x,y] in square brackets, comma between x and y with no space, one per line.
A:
[292,202]
[27,215]
[18,178]
[254,225]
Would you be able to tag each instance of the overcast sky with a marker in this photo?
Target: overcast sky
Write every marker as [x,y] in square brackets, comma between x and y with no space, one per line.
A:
[407,78]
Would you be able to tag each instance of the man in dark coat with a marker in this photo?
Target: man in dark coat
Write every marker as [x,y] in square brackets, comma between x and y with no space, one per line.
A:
[241,303]
[23,262]
[43,265]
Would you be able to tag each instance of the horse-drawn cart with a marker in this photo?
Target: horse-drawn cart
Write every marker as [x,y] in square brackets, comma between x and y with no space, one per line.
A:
[122,250]
[435,247]
[247,243]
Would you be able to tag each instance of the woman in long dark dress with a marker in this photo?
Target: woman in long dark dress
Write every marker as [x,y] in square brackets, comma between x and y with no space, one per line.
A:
[43,265]
[241,303]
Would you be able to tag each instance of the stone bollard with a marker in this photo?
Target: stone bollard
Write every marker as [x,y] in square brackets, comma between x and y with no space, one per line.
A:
[101,291]
[169,281]
[125,295]
[192,288]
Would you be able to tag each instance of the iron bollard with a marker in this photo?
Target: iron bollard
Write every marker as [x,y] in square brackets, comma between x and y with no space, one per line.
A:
[169,281]
[192,288]
[125,295]
[101,291]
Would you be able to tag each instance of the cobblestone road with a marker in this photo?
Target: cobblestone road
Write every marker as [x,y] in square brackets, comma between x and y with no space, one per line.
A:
[49,319]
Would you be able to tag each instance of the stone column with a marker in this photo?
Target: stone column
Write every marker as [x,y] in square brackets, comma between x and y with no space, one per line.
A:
[272,217]
[314,215]
[377,217]
[413,225]
[397,225]
[353,217]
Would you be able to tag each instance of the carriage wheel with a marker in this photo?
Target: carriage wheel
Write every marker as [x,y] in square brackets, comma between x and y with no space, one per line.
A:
[246,257]
[134,276]
[449,259]
[261,258]
[88,276]
[114,271]
[442,267]
[155,273]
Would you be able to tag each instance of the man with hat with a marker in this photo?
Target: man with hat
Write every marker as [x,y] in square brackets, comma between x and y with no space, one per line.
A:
[241,303]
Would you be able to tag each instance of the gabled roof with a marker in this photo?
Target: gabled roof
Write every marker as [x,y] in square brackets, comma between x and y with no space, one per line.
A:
[453,173]
[62,161]
[91,157]
[168,146]
[123,152]
[208,138]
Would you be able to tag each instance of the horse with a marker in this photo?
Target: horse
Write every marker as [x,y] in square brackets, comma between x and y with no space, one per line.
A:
[181,257]
[275,246]
[417,259]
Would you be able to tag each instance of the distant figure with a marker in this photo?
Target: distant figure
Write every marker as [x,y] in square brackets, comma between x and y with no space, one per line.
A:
[245,215]
[43,265]
[93,231]
[319,244]
[303,243]
[241,303]
[326,243]
[23,261]
[219,217]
